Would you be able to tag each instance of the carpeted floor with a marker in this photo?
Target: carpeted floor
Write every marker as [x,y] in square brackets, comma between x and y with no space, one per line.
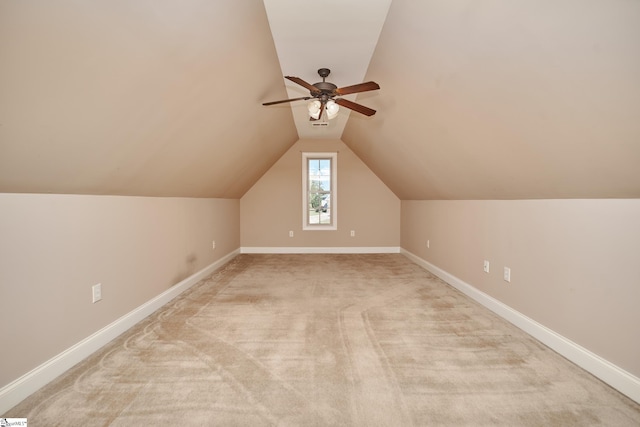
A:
[324,340]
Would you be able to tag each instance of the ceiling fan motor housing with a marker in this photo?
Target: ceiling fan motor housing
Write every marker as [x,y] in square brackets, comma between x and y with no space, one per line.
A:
[325,86]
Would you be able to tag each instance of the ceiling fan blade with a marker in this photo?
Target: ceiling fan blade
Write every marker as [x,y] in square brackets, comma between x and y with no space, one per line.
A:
[302,83]
[355,107]
[286,100]
[362,87]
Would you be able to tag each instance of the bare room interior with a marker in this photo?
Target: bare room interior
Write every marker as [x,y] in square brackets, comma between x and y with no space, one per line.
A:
[484,209]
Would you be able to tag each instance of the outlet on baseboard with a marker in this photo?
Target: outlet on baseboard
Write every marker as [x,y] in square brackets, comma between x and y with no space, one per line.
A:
[96,291]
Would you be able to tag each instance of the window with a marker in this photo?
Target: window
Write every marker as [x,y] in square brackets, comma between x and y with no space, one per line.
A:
[319,198]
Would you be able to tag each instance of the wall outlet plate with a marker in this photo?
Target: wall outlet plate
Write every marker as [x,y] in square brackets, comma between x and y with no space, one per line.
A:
[486,266]
[507,274]
[96,293]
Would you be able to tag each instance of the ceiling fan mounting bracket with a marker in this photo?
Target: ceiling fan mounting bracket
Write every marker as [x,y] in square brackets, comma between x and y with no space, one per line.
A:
[324,72]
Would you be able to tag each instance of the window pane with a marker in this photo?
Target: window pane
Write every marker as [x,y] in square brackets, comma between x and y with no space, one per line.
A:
[314,217]
[325,167]
[324,209]
[324,183]
[319,185]
[314,167]
[319,191]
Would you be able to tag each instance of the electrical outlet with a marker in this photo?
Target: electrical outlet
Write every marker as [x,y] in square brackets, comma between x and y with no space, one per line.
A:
[427,244]
[507,274]
[213,244]
[291,233]
[96,291]
[353,233]
[486,266]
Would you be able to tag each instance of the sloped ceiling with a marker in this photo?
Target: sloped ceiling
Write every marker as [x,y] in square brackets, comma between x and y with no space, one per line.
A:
[149,98]
[497,99]
[505,99]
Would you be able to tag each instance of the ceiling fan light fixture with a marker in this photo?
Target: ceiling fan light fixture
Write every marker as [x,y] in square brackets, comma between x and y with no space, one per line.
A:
[314,109]
[332,109]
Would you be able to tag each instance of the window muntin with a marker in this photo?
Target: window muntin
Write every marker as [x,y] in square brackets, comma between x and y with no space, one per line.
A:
[319,191]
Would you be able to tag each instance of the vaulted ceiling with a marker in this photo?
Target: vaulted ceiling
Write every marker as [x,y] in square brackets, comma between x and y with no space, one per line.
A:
[498,99]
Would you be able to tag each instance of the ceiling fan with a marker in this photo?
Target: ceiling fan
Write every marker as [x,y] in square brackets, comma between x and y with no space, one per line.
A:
[326,96]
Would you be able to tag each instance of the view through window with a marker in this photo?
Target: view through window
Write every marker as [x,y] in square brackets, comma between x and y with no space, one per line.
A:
[319,191]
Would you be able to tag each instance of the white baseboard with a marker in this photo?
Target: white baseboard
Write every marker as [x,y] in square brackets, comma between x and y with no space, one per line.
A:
[611,374]
[16,391]
[321,250]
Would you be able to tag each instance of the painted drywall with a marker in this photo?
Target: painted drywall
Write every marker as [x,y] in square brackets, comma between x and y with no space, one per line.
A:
[504,100]
[54,248]
[479,100]
[574,263]
[273,206]
[157,98]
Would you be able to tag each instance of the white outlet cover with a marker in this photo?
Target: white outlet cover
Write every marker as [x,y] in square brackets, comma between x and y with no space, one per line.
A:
[507,274]
[486,266]
[96,291]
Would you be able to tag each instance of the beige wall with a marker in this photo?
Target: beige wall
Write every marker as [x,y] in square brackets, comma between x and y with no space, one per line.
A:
[273,206]
[574,263]
[53,248]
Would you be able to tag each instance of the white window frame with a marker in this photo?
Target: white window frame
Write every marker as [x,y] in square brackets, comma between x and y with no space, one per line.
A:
[333,156]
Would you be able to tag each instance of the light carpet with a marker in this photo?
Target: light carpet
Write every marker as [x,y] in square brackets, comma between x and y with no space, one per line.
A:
[325,340]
